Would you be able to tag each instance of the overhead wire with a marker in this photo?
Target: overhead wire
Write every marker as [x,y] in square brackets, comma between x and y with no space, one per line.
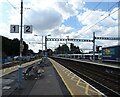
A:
[24,17]
[84,18]
[92,11]
[11,4]
[104,17]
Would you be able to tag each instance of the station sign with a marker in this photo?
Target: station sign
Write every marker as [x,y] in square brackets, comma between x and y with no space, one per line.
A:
[27,28]
[14,28]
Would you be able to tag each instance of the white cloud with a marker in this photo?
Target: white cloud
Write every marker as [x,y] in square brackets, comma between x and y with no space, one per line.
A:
[94,21]
[65,30]
[77,4]
[115,15]
[106,28]
[48,18]
[65,9]
[89,17]
[44,19]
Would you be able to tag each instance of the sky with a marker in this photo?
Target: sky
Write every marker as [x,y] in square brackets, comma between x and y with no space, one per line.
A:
[61,18]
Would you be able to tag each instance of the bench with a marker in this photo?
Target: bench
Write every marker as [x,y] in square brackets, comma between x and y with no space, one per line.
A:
[26,73]
[33,72]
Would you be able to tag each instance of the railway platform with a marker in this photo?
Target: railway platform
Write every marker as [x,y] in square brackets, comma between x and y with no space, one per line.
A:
[57,80]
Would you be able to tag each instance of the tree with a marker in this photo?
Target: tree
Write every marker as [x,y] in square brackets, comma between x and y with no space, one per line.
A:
[6,45]
[30,52]
[74,49]
[64,49]
[49,52]
[12,47]
[15,46]
[25,48]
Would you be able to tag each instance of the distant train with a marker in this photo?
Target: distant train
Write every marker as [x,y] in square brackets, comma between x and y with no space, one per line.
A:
[111,54]
[81,56]
[108,54]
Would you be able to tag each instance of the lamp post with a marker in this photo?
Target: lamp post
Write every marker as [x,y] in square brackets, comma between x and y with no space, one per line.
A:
[43,43]
[46,45]
[66,44]
[67,39]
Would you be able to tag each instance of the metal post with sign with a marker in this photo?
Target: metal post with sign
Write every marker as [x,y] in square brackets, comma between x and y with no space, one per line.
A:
[28,29]
[21,43]
[15,29]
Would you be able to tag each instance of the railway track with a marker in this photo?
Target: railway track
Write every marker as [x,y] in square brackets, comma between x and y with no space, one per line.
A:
[107,82]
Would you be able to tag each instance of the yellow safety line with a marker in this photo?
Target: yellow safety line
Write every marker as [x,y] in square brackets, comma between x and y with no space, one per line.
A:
[74,80]
[81,86]
[63,69]
[63,80]
[77,83]
[66,71]
[86,89]
[72,77]
[69,74]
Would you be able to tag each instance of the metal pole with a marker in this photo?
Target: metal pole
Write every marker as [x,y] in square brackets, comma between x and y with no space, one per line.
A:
[119,23]
[93,46]
[46,46]
[66,44]
[42,45]
[21,43]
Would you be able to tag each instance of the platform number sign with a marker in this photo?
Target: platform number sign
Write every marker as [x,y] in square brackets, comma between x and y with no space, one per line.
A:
[27,28]
[14,28]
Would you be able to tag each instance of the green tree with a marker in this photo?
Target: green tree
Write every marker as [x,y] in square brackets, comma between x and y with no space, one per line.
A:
[15,46]
[25,50]
[74,49]
[12,47]
[64,49]
[6,46]
[49,52]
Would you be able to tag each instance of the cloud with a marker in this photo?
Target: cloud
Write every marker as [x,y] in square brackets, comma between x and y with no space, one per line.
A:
[50,17]
[69,8]
[44,19]
[89,17]
[95,20]
[65,30]
[65,9]
[77,4]
[106,28]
